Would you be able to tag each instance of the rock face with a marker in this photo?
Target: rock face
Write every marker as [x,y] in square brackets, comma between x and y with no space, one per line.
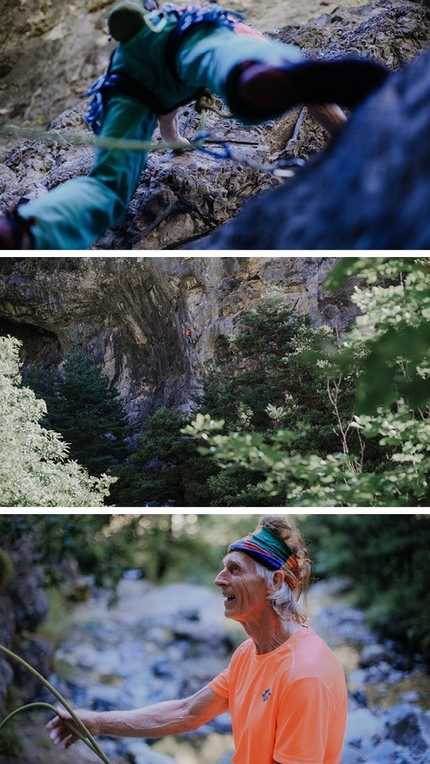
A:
[130,315]
[370,191]
[23,606]
[183,198]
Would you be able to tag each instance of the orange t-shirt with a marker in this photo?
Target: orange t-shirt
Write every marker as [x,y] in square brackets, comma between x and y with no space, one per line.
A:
[288,706]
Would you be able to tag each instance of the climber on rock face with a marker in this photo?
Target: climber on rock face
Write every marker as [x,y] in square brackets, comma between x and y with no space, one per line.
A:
[167,57]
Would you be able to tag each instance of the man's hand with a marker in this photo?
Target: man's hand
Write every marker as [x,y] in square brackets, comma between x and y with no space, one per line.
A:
[61,734]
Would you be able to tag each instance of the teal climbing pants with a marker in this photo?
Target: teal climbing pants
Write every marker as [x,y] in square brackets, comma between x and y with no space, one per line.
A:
[75,214]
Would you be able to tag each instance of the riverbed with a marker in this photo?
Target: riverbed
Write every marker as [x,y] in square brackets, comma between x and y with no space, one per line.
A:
[160,642]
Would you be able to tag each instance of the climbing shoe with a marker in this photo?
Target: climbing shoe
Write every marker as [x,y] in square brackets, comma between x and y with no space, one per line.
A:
[266,91]
[126,20]
[15,231]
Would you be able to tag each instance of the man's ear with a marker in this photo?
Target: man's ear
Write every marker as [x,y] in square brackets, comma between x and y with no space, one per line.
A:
[278,580]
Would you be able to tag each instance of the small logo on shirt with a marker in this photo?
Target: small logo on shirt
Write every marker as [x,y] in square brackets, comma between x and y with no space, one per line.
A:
[266,694]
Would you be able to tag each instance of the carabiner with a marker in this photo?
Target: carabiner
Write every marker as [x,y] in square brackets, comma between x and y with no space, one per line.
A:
[156,20]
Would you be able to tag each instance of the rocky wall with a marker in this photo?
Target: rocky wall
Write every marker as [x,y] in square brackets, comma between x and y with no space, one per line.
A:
[23,606]
[183,197]
[130,315]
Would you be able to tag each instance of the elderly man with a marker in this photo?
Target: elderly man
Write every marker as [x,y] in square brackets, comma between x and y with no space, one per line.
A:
[166,57]
[284,687]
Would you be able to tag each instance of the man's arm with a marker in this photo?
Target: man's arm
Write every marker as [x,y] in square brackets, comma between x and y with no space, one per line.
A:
[329,115]
[170,717]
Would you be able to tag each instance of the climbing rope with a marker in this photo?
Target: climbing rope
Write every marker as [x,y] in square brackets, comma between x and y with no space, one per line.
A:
[79,730]
[74,139]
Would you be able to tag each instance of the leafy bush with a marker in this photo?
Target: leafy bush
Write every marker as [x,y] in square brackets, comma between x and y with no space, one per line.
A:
[34,466]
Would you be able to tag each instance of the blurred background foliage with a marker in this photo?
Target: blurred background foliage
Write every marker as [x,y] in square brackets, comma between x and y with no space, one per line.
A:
[385,557]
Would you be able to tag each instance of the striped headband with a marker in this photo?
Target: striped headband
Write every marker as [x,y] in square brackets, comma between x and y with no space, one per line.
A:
[267,548]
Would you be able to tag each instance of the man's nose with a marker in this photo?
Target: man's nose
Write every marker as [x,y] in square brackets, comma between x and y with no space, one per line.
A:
[220,579]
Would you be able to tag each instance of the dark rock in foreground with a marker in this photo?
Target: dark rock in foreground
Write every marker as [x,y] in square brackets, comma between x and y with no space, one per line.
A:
[369,190]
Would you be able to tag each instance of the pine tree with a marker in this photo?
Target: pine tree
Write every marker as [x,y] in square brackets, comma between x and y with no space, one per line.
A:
[271,378]
[86,410]
[166,469]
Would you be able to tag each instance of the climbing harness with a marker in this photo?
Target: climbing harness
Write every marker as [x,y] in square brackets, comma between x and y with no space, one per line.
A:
[78,728]
[120,83]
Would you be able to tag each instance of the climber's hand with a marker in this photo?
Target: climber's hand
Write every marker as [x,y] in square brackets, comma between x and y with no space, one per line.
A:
[169,128]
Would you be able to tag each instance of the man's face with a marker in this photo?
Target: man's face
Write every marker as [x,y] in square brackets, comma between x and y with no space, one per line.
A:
[244,591]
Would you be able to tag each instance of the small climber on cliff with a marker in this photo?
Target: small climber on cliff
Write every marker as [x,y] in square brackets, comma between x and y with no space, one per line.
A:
[167,57]
[188,336]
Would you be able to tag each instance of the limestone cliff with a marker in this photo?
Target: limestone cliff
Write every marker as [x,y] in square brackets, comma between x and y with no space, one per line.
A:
[130,314]
[52,52]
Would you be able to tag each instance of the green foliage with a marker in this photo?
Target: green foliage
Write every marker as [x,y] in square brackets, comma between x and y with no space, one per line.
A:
[236,487]
[85,409]
[166,469]
[387,557]
[34,466]
[81,537]
[393,375]
[393,329]
[7,568]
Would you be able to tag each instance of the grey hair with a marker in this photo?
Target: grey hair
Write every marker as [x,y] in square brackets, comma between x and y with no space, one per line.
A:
[282,598]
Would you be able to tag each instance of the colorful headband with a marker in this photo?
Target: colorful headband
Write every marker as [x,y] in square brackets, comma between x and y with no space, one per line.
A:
[267,548]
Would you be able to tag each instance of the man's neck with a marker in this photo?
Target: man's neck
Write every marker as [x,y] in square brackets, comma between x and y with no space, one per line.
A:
[270,633]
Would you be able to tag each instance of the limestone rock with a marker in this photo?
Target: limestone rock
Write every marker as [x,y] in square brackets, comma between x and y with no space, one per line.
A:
[25,591]
[130,314]
[6,675]
[142,754]
[410,726]
[373,654]
[37,652]
[183,198]
[23,606]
